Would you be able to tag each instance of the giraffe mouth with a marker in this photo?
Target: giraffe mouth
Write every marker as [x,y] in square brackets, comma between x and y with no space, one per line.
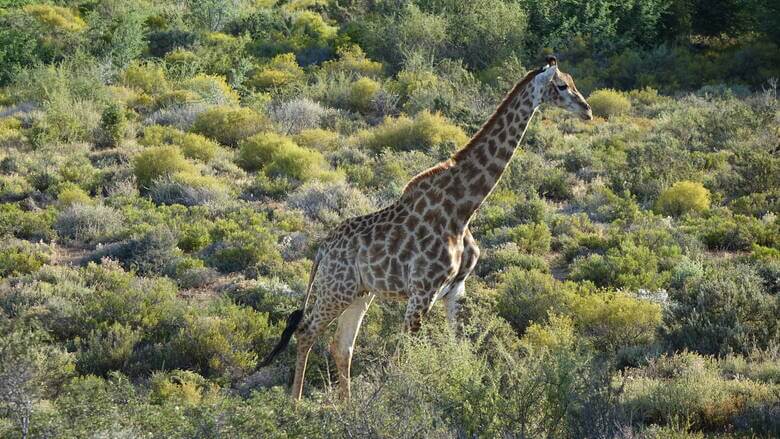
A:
[587,115]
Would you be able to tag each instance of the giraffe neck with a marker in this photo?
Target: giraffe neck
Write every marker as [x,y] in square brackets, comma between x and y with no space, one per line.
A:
[476,168]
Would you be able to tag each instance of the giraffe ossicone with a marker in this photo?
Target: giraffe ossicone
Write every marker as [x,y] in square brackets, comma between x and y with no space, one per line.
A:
[419,248]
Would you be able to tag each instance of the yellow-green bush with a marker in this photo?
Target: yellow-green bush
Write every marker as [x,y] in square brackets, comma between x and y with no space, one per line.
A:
[72,194]
[229,125]
[352,59]
[149,78]
[615,320]
[193,146]
[278,155]
[362,92]
[56,17]
[558,333]
[426,130]
[683,197]
[317,138]
[212,89]
[158,161]
[11,135]
[280,71]
[608,103]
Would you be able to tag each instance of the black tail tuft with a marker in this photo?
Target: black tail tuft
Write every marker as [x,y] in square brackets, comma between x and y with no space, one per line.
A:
[292,324]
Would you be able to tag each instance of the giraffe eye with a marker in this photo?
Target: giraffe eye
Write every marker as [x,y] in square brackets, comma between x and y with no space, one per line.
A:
[563,87]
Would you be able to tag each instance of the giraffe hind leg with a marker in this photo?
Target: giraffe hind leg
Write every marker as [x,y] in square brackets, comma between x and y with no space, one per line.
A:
[312,327]
[343,344]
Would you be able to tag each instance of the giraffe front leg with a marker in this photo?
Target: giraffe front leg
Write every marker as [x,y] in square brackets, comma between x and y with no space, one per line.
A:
[343,344]
[416,308]
[453,298]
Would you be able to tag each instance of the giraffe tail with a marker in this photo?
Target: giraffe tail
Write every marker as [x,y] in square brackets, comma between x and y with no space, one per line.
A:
[293,321]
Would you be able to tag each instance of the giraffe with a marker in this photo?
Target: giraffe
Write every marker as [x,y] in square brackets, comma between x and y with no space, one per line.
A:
[419,248]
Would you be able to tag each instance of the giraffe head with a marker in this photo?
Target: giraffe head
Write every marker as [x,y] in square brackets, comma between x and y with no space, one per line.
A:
[557,88]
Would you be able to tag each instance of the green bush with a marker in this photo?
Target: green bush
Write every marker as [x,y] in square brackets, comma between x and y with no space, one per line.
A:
[608,103]
[193,146]
[56,17]
[33,225]
[72,194]
[159,161]
[626,266]
[222,343]
[106,350]
[279,156]
[243,241]
[212,90]
[614,321]
[113,126]
[725,310]
[531,238]
[529,296]
[683,197]
[229,125]
[425,131]
[21,257]
[281,71]
[148,78]
[362,92]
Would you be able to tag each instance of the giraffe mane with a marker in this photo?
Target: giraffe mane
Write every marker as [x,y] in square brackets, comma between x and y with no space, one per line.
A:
[436,169]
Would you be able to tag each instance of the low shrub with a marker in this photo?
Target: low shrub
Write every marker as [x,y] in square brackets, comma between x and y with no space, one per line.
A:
[187,190]
[241,242]
[72,194]
[361,94]
[56,17]
[193,146]
[608,103]
[330,203]
[626,266]
[88,223]
[30,225]
[683,197]
[687,388]
[21,257]
[159,161]
[212,90]
[529,296]
[229,125]
[318,139]
[531,238]
[615,321]
[281,71]
[153,252]
[425,131]
[294,116]
[106,350]
[113,126]
[725,310]
[148,78]
[279,156]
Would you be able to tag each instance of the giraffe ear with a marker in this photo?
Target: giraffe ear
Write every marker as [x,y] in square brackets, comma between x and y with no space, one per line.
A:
[548,72]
